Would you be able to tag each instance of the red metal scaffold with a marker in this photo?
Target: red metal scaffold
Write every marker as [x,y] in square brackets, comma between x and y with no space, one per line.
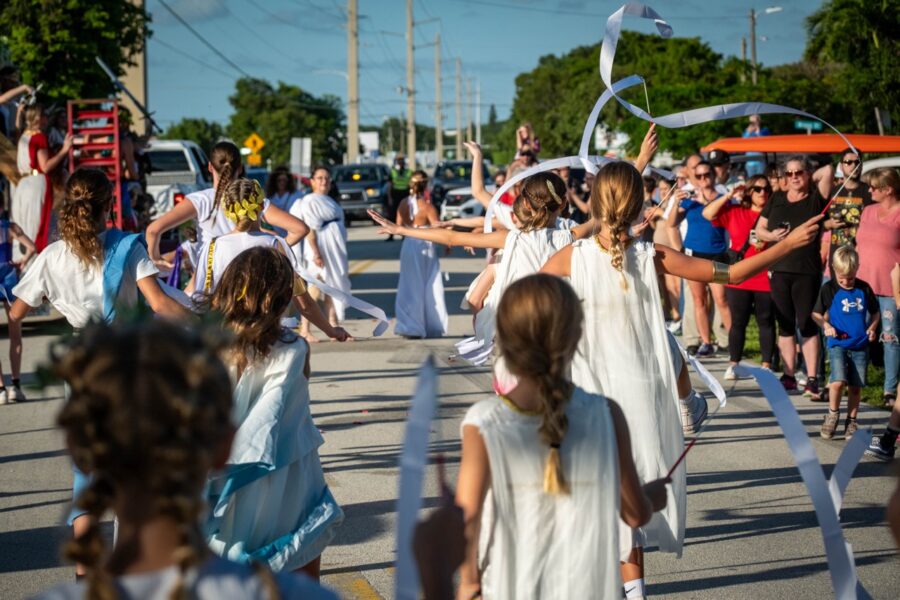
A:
[94,125]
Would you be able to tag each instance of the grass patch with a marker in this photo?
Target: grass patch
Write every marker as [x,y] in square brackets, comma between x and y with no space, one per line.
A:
[871,394]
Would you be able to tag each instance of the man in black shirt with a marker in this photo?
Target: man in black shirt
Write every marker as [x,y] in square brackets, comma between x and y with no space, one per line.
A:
[849,202]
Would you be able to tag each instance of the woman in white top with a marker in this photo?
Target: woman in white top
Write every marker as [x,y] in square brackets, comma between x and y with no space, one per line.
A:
[420,308]
[242,203]
[325,249]
[556,460]
[624,352]
[281,191]
[205,207]
[90,274]
[150,414]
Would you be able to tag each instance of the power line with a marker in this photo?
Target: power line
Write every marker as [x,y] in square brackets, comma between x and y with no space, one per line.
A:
[156,40]
[563,11]
[203,39]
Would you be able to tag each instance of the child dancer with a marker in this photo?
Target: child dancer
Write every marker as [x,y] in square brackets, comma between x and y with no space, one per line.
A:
[624,352]
[149,414]
[419,307]
[549,538]
[9,277]
[242,203]
[325,250]
[847,310]
[206,207]
[271,503]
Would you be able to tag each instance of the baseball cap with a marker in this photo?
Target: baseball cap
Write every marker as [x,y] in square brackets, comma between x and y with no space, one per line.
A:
[718,157]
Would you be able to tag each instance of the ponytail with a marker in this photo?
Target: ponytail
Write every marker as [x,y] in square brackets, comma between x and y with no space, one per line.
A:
[84,212]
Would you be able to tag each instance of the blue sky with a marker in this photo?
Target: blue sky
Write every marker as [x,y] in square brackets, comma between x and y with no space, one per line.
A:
[303,42]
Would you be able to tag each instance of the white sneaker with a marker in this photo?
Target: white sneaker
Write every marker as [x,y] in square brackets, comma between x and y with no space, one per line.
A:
[693,412]
[4,397]
[673,326]
[801,378]
[735,372]
[16,394]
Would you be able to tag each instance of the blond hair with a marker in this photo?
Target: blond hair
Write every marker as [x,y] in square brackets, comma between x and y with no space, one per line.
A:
[845,260]
[539,323]
[542,197]
[885,177]
[617,198]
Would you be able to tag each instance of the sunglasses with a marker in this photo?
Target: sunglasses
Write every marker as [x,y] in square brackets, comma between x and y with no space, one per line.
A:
[702,175]
[761,188]
[850,162]
[794,173]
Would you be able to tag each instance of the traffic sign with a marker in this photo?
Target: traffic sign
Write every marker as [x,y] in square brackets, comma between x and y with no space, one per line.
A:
[254,142]
[808,125]
[254,160]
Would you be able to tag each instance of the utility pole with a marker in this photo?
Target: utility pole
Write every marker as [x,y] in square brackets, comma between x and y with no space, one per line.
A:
[438,117]
[478,111]
[744,59]
[410,88]
[469,136]
[753,43]
[459,146]
[352,82]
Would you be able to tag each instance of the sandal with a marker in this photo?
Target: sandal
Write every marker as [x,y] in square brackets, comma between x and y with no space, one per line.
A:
[889,399]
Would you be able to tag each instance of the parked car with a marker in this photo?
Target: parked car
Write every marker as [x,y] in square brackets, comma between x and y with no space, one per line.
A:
[175,169]
[450,175]
[361,187]
[459,202]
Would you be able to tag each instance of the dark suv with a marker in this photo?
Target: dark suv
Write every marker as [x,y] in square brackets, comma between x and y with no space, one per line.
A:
[361,187]
[449,175]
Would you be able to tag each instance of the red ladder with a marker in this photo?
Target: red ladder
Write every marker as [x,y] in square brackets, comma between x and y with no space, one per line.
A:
[94,125]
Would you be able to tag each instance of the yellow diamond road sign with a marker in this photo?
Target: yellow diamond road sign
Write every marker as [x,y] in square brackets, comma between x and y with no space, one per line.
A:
[254,142]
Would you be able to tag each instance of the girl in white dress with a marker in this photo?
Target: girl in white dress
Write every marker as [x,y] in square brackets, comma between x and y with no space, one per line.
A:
[206,207]
[149,414]
[281,190]
[89,275]
[325,250]
[556,459]
[270,503]
[420,308]
[242,202]
[624,352]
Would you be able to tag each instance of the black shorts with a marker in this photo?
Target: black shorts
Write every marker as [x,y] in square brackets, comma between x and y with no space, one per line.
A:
[721,257]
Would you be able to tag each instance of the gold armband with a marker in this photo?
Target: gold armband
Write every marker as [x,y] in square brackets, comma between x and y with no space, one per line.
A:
[299,286]
[721,273]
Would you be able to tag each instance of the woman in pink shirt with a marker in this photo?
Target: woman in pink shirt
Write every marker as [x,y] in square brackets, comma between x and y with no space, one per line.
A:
[878,244]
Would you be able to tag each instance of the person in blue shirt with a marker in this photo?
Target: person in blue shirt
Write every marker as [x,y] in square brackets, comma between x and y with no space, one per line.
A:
[848,313]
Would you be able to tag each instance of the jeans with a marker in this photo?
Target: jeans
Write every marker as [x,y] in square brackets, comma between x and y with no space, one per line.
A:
[889,332]
[848,366]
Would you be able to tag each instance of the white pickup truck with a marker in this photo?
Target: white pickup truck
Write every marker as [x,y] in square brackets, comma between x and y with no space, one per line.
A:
[176,168]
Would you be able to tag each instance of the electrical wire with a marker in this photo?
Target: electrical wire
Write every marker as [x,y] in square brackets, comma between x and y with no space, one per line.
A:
[204,40]
[156,40]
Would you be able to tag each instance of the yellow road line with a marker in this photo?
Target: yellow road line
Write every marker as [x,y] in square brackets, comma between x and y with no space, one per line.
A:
[362,265]
[351,586]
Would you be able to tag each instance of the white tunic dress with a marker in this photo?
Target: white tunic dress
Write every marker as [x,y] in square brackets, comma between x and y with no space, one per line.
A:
[226,250]
[420,307]
[325,216]
[28,197]
[541,545]
[624,354]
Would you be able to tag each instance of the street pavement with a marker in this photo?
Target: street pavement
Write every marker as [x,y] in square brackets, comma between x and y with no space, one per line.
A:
[751,530]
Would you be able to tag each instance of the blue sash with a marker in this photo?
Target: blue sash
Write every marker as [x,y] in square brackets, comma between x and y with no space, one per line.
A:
[116,248]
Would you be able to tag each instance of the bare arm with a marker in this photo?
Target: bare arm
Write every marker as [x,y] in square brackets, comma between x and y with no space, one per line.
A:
[314,246]
[822,321]
[182,213]
[477,179]
[560,264]
[583,206]
[19,310]
[648,149]
[447,237]
[297,229]
[16,91]
[47,164]
[637,502]
[824,179]
[471,486]
[712,210]
[586,229]
[159,301]
[309,308]
[764,234]
[19,236]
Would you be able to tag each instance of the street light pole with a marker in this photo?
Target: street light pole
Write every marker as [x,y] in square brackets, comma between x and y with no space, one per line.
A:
[352,83]
[410,89]
[753,44]
[438,116]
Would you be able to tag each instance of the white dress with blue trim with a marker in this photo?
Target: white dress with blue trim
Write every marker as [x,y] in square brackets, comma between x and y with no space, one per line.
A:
[271,503]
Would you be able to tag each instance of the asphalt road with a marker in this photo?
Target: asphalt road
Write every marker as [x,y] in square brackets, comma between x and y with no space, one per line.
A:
[751,530]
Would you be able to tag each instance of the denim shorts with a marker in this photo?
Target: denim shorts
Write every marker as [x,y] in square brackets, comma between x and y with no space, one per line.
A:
[848,366]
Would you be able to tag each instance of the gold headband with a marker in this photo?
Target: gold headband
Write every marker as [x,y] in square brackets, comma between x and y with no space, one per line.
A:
[553,192]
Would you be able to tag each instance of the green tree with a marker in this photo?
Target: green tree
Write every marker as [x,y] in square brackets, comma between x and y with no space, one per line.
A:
[860,37]
[200,131]
[279,113]
[54,42]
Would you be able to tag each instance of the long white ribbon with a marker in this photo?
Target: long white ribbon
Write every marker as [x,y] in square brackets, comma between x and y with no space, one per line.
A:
[838,552]
[412,467]
[348,299]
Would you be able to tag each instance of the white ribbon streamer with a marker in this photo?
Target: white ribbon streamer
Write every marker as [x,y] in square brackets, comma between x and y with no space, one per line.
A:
[838,552]
[412,467]
[846,464]
[348,299]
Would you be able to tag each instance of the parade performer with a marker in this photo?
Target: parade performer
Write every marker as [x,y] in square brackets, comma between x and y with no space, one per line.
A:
[624,352]
[32,201]
[325,250]
[270,503]
[9,277]
[149,414]
[242,202]
[420,308]
[206,206]
[89,275]
[556,459]
[281,190]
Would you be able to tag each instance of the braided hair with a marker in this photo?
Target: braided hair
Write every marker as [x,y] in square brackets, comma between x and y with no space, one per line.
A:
[148,412]
[225,159]
[539,323]
[542,197]
[617,198]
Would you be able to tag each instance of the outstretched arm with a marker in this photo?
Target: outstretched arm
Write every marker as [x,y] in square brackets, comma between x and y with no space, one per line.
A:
[447,237]
[182,213]
[159,301]
[478,191]
[19,236]
[648,149]
[297,229]
[586,229]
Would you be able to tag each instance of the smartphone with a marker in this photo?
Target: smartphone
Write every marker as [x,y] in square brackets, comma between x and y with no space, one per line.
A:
[784,225]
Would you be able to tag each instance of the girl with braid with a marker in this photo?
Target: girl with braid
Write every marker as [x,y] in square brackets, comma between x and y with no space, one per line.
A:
[242,203]
[206,207]
[89,275]
[555,458]
[149,415]
[624,352]
[270,503]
